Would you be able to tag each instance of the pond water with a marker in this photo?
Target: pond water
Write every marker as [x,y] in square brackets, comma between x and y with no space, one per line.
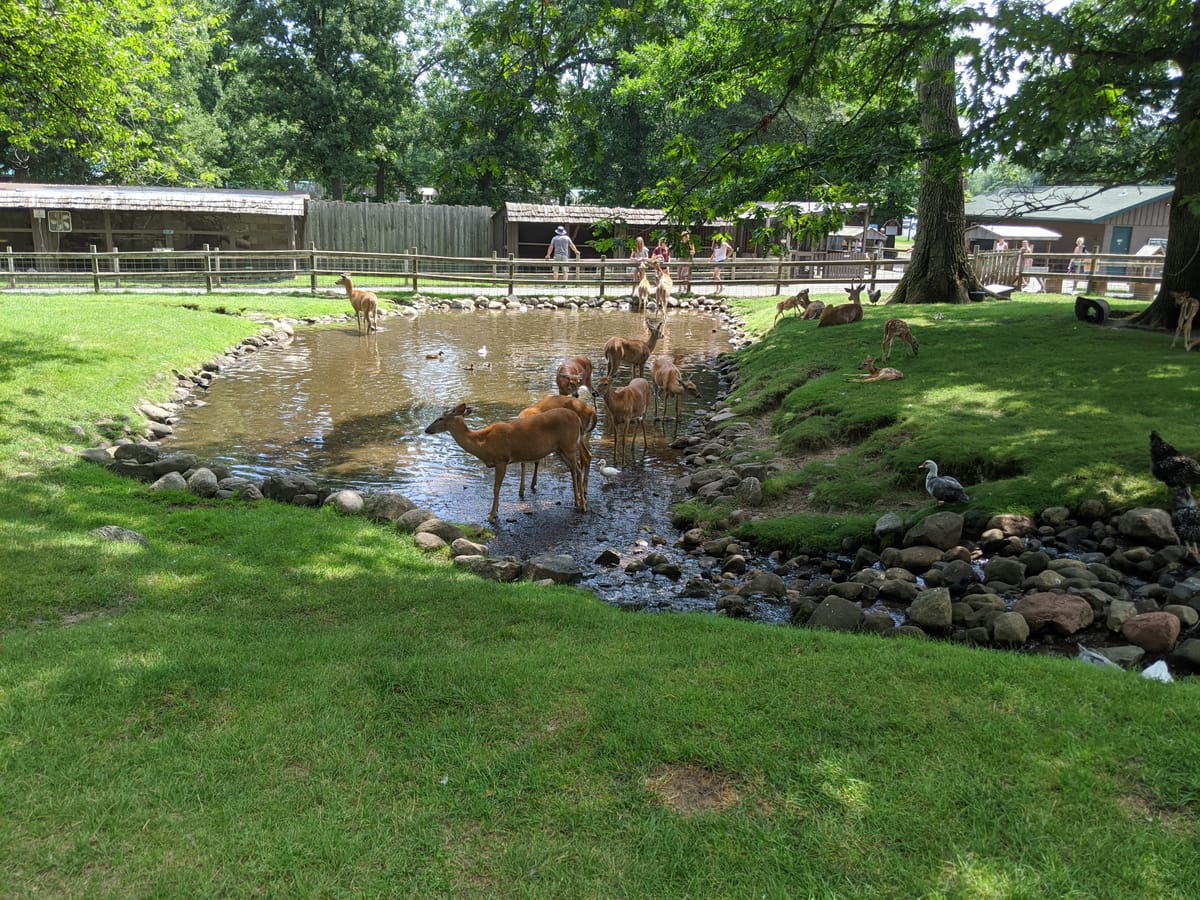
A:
[350,410]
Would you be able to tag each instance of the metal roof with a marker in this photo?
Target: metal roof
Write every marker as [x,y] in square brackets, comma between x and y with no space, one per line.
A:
[19,195]
[1015,232]
[588,215]
[1067,203]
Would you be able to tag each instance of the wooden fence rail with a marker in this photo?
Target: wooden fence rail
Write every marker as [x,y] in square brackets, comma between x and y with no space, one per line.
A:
[212,269]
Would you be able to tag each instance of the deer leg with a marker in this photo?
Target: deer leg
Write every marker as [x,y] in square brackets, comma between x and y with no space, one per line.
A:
[500,470]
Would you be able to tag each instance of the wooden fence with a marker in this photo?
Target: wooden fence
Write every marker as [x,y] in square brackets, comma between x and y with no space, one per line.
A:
[464,231]
[1111,275]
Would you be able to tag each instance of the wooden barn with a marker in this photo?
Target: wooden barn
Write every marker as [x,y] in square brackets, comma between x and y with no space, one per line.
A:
[52,218]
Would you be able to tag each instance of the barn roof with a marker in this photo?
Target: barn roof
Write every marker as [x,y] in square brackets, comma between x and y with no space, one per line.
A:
[586,215]
[1066,203]
[1014,232]
[19,195]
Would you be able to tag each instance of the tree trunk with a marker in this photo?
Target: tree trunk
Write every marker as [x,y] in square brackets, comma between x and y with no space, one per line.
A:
[1181,265]
[337,187]
[940,270]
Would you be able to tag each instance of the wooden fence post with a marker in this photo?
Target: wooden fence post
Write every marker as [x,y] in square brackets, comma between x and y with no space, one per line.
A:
[512,273]
[12,268]
[413,256]
[116,266]
[779,276]
[312,268]
[217,266]
[95,267]
[603,272]
[207,269]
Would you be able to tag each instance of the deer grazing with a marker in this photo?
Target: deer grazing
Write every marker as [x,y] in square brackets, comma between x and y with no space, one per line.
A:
[796,303]
[573,374]
[365,303]
[668,381]
[626,406]
[587,424]
[1188,305]
[874,373]
[531,439]
[619,350]
[898,328]
[662,287]
[845,313]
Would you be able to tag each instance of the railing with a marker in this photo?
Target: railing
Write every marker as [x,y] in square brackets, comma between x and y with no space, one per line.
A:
[217,270]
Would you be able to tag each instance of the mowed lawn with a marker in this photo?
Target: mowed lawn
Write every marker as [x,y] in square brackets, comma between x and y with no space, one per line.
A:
[278,701]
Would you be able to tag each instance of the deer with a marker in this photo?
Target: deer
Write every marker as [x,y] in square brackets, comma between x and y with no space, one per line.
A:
[573,374]
[365,303]
[662,287]
[1188,305]
[626,406]
[874,373]
[796,302]
[668,380]
[812,309]
[587,424]
[500,444]
[619,350]
[844,313]
[641,289]
[898,328]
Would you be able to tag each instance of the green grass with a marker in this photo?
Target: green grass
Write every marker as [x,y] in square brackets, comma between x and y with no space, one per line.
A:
[283,701]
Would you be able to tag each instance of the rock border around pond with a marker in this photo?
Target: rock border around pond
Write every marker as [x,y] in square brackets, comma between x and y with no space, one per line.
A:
[1069,578]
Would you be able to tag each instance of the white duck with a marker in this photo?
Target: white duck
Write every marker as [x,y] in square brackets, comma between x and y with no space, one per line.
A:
[609,472]
[943,488]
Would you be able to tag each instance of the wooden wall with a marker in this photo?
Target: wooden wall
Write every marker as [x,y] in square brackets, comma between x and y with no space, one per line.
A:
[432,228]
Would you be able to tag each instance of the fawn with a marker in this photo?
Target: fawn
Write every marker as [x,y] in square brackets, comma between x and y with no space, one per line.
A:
[874,373]
[898,328]
[1188,305]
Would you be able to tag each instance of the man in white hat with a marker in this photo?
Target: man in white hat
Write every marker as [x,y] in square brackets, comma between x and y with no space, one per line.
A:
[561,246]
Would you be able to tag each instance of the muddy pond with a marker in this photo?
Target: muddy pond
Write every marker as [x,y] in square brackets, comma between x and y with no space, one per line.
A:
[350,410]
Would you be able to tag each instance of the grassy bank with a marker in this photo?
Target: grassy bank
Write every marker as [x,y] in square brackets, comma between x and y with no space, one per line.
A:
[281,701]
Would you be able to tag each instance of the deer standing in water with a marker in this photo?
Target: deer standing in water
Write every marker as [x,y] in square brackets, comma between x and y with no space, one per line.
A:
[619,350]
[626,406]
[668,380]
[662,287]
[587,424]
[874,373]
[500,444]
[844,313]
[898,328]
[365,303]
[573,374]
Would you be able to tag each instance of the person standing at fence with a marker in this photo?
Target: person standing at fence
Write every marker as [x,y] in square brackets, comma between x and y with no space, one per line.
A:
[1001,246]
[561,247]
[1077,261]
[639,254]
[722,252]
[662,251]
[687,252]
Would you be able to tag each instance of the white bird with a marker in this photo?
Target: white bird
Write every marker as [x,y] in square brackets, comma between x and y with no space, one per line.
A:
[482,351]
[609,472]
[943,488]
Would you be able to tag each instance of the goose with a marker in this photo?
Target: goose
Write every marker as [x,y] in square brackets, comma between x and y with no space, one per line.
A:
[943,488]
[609,472]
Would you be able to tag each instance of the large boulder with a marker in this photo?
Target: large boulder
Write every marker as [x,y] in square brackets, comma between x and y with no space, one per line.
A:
[942,530]
[836,614]
[557,567]
[1154,632]
[286,486]
[931,610]
[1147,524]
[1060,613]
[1010,628]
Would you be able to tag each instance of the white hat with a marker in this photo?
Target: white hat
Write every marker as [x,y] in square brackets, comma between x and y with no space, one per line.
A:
[560,230]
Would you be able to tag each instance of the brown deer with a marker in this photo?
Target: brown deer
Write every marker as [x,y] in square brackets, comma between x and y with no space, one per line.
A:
[641,288]
[662,287]
[844,313]
[898,328]
[531,439]
[573,374]
[874,373]
[1188,305]
[812,309]
[626,406]
[587,424]
[796,303]
[365,303]
[619,350]
[668,380]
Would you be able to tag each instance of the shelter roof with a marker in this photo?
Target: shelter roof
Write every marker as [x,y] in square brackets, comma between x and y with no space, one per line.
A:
[1065,203]
[20,195]
[1015,232]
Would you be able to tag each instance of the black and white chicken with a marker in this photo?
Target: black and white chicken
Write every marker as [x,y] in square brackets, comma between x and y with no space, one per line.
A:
[874,295]
[1186,518]
[943,488]
[1170,466]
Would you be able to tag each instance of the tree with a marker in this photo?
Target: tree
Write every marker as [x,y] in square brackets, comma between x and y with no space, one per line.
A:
[80,88]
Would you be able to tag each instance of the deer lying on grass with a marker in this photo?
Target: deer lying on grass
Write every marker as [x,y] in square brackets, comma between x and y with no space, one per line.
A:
[796,303]
[662,287]
[500,444]
[365,303]
[874,373]
[844,313]
[619,350]
[626,406]
[898,328]
[668,380]
[1188,305]
[573,374]
[587,424]
[812,309]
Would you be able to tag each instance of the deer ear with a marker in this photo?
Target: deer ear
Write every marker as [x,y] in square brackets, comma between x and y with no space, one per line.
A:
[460,410]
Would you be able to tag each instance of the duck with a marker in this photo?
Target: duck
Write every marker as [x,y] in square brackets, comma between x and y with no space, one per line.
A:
[1170,466]
[482,351]
[1186,518]
[943,488]
[439,355]
[608,472]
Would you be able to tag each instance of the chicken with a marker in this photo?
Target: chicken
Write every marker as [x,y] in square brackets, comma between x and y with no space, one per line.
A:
[1186,519]
[943,488]
[874,295]
[1170,466]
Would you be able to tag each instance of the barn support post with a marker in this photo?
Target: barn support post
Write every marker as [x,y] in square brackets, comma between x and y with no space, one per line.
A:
[95,267]
[208,280]
[603,271]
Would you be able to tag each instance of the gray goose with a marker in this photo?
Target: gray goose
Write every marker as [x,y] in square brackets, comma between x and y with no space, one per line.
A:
[943,488]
